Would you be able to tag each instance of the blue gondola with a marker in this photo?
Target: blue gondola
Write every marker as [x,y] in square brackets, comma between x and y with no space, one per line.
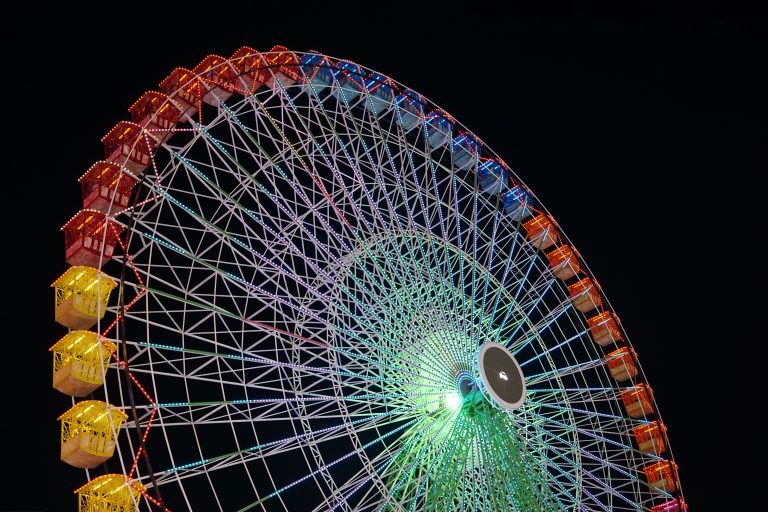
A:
[438,129]
[316,70]
[350,81]
[465,150]
[516,203]
[380,94]
[491,177]
[410,109]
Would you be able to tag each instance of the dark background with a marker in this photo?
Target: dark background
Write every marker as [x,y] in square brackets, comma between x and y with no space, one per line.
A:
[634,128]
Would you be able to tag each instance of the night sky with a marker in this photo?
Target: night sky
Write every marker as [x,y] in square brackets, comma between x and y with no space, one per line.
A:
[633,128]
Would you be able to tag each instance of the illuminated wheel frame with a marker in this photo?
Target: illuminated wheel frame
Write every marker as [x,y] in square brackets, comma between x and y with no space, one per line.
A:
[308,279]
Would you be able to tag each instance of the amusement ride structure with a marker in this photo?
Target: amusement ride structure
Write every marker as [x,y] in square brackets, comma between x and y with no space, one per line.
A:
[296,284]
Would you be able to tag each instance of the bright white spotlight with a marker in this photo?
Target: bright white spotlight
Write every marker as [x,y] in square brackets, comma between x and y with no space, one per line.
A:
[453,401]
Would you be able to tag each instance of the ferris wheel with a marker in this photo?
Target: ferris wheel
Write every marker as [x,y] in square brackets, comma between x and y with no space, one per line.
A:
[296,284]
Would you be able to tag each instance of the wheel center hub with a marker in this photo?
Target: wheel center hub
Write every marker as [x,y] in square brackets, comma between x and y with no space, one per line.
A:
[502,376]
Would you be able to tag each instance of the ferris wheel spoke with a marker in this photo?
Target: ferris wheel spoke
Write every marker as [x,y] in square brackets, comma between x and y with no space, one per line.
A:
[263,361]
[520,287]
[545,463]
[598,439]
[259,151]
[342,494]
[592,480]
[409,457]
[248,287]
[280,270]
[581,412]
[439,459]
[475,230]
[525,480]
[274,191]
[378,169]
[458,226]
[546,353]
[414,457]
[516,260]
[279,448]
[265,409]
[546,438]
[451,475]
[491,253]
[328,466]
[559,372]
[533,298]
[376,215]
[264,380]
[585,394]
[549,320]
[396,273]
[490,470]
[353,202]
[379,463]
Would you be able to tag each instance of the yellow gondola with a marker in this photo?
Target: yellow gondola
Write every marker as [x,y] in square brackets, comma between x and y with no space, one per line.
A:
[80,361]
[88,433]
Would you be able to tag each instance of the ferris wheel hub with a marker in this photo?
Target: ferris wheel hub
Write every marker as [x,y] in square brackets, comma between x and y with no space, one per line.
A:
[502,376]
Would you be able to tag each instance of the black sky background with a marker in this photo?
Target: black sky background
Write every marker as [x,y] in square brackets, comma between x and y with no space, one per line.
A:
[634,128]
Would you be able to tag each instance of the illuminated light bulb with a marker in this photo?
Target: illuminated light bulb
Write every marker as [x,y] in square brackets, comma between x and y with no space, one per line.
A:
[453,401]
[503,376]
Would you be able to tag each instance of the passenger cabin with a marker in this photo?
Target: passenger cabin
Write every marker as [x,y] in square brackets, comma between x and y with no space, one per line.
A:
[670,506]
[604,328]
[438,126]
[350,81]
[563,263]
[212,74]
[650,437]
[638,401]
[80,361]
[381,94]
[183,87]
[491,177]
[157,114]
[105,188]
[110,493]
[90,239]
[250,70]
[621,364]
[662,475]
[126,145]
[585,295]
[540,232]
[410,109]
[81,297]
[284,66]
[88,433]
[317,71]
[516,203]
[466,149]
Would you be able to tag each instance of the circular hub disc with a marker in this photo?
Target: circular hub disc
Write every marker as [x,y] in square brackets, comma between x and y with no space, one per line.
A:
[502,376]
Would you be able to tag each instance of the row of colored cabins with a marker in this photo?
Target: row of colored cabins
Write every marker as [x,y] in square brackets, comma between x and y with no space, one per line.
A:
[585,296]
[90,428]
[603,326]
[82,293]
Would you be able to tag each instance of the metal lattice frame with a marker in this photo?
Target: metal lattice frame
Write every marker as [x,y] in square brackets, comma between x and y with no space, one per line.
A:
[306,289]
